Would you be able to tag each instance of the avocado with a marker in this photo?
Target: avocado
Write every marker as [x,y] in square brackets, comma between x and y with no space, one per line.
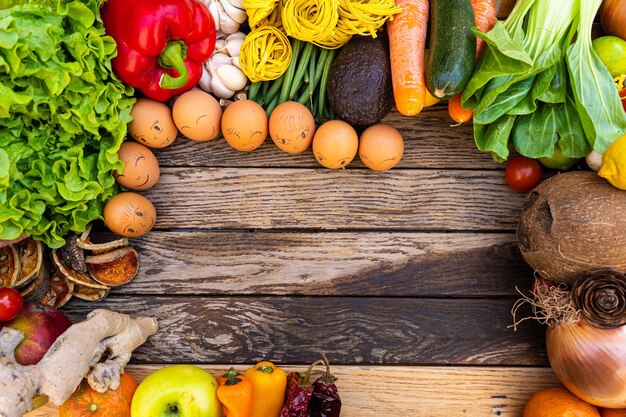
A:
[359,83]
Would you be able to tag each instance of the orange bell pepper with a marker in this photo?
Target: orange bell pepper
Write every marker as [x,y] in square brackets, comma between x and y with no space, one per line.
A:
[235,394]
[268,389]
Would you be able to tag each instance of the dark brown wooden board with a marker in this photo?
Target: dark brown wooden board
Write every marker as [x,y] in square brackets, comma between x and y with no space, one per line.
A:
[329,263]
[272,198]
[354,330]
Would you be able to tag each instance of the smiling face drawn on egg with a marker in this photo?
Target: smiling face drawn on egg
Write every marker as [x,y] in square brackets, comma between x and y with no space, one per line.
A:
[293,129]
[156,136]
[134,220]
[152,124]
[191,130]
[141,169]
[197,115]
[389,161]
[135,166]
[334,163]
[129,214]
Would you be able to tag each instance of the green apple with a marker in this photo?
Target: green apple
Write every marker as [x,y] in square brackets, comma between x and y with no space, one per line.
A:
[558,160]
[177,391]
[612,52]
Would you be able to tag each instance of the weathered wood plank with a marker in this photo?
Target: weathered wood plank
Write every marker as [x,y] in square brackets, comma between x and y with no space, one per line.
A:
[232,198]
[329,263]
[430,142]
[358,330]
[385,391]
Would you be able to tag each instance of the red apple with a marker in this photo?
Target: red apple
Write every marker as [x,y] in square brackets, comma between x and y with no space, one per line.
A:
[41,326]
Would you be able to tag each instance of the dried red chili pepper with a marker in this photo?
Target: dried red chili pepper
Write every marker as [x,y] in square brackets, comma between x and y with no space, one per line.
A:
[299,392]
[325,401]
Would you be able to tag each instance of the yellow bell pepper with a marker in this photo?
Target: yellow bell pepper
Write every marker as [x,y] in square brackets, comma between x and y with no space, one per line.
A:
[268,389]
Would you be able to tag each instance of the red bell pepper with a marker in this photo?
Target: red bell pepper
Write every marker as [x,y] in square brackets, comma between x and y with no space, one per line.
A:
[161,44]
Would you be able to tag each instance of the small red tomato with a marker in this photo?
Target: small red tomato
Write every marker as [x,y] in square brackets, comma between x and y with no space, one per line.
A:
[622,95]
[522,173]
[10,303]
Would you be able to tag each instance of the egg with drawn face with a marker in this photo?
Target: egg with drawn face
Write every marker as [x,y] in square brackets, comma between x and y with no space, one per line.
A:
[141,169]
[292,127]
[197,115]
[129,214]
[152,124]
[244,125]
[381,147]
[335,144]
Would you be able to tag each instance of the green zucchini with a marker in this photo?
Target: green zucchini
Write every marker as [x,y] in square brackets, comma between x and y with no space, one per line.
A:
[452,47]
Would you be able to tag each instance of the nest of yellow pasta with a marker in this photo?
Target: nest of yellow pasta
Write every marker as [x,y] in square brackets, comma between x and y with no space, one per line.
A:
[328,24]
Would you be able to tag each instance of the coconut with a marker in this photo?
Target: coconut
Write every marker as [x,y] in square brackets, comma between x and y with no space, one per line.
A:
[573,223]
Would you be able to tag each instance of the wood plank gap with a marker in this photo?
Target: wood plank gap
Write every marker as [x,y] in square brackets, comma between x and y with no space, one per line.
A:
[314,230]
[318,167]
[325,296]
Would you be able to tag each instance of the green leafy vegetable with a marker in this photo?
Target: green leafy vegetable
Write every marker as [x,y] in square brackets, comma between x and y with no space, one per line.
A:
[597,100]
[534,89]
[63,117]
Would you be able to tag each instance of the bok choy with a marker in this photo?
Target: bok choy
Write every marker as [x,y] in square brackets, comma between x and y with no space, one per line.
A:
[534,90]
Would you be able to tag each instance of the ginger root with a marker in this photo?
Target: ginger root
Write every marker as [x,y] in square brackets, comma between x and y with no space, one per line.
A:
[75,354]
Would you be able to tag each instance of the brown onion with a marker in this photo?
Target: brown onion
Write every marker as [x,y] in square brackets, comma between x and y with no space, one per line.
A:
[613,17]
[590,362]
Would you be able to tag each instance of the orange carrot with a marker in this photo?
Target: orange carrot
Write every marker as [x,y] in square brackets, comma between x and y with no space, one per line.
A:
[485,15]
[458,113]
[407,41]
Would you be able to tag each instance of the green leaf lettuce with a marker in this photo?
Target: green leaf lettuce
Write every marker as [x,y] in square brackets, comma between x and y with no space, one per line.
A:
[63,117]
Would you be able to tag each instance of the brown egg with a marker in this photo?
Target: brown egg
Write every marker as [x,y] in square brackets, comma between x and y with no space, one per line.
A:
[335,144]
[142,168]
[244,125]
[292,127]
[152,124]
[381,147]
[129,214]
[197,115]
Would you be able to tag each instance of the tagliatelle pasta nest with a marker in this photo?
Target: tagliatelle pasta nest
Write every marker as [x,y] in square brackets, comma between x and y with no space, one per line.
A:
[265,54]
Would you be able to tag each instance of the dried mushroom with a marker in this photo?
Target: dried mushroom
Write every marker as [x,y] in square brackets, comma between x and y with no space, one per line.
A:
[73,255]
[97,248]
[10,266]
[73,275]
[31,256]
[114,268]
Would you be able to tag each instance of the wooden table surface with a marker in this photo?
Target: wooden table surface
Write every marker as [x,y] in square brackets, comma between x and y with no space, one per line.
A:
[404,278]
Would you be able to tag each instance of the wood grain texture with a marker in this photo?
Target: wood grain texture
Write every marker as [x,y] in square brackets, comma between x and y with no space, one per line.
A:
[255,198]
[430,142]
[422,391]
[329,263]
[355,330]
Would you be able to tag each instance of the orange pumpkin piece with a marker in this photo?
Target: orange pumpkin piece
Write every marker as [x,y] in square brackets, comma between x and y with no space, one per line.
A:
[87,402]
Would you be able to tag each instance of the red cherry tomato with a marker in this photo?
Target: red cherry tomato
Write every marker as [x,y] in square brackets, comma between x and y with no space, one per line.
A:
[622,94]
[522,173]
[10,303]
